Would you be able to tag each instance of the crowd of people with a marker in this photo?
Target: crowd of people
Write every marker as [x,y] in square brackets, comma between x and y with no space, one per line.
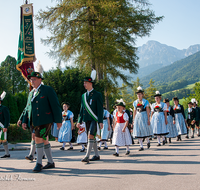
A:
[95,124]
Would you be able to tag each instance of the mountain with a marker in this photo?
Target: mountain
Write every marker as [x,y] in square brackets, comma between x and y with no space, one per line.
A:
[187,69]
[154,55]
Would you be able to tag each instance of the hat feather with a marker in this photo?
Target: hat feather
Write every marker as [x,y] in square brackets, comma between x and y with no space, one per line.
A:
[39,68]
[139,88]
[93,74]
[3,95]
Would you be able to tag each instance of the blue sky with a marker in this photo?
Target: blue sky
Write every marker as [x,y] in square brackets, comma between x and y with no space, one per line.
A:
[180,27]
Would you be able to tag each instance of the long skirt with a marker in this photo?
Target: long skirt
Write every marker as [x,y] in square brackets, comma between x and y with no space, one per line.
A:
[82,138]
[121,138]
[172,128]
[180,124]
[54,130]
[158,124]
[65,134]
[141,128]
[104,131]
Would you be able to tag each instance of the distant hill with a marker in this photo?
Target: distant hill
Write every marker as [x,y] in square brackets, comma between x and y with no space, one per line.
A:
[187,69]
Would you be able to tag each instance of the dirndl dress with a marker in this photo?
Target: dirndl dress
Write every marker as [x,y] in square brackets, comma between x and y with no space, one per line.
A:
[82,138]
[121,138]
[180,121]
[158,119]
[104,130]
[54,130]
[65,133]
[141,128]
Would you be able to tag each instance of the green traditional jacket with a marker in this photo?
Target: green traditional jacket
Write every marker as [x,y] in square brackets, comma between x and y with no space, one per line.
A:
[43,109]
[197,113]
[4,116]
[192,114]
[95,102]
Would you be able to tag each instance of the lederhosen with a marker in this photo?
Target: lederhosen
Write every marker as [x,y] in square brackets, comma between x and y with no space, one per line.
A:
[189,121]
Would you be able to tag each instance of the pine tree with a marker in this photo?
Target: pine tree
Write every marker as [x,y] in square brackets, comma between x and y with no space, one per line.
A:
[150,92]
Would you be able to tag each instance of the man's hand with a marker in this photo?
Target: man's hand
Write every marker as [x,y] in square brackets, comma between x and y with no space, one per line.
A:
[19,123]
[78,125]
[59,125]
[24,126]
[101,125]
[4,130]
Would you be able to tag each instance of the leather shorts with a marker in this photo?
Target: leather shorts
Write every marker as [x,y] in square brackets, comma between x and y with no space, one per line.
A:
[91,127]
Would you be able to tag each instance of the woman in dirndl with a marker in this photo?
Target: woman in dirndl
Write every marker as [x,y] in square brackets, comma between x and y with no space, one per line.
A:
[105,130]
[159,118]
[171,121]
[179,118]
[142,128]
[65,133]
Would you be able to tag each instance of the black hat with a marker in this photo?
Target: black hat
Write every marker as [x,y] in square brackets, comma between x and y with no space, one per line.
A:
[35,74]
[190,103]
[67,103]
[120,104]
[139,90]
[175,98]
[88,79]
[166,100]
[157,94]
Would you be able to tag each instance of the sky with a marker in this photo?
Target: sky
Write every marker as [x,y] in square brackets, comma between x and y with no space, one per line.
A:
[180,27]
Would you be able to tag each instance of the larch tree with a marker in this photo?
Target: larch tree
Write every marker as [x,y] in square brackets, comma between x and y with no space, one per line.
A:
[98,34]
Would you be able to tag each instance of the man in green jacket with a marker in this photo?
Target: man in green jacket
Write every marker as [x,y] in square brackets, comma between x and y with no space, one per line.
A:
[91,113]
[41,111]
[4,123]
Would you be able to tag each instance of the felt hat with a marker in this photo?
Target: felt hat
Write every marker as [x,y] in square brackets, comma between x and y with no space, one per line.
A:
[88,79]
[139,90]
[67,103]
[120,104]
[157,94]
[35,74]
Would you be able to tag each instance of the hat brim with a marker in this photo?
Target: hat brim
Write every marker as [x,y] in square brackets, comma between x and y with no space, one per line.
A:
[157,95]
[85,80]
[120,105]
[140,91]
[29,76]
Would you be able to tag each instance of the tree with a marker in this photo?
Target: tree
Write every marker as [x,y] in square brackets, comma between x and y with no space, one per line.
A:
[98,34]
[126,95]
[135,85]
[150,92]
[12,76]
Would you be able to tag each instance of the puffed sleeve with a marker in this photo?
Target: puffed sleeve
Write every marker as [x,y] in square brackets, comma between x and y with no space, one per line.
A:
[71,115]
[164,107]
[107,114]
[152,107]
[134,104]
[126,118]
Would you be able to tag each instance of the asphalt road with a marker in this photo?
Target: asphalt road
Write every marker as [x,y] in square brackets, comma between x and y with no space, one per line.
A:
[170,167]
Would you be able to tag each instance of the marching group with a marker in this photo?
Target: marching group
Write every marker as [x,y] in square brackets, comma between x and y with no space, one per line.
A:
[95,124]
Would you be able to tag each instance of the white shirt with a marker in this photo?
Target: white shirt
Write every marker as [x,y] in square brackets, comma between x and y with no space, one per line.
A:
[35,91]
[89,91]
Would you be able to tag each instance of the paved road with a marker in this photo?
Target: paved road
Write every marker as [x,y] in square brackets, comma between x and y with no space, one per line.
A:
[169,167]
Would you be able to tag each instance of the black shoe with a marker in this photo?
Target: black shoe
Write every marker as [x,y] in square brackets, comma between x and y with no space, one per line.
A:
[155,137]
[38,168]
[180,138]
[105,148]
[187,137]
[164,142]
[95,158]
[170,140]
[62,148]
[43,157]
[49,165]
[71,148]
[159,144]
[82,150]
[116,154]
[150,138]
[192,136]
[127,152]
[177,139]
[29,157]
[6,156]
[99,148]
[148,145]
[141,149]
[86,159]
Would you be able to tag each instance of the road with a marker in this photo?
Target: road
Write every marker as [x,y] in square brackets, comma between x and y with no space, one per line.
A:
[170,167]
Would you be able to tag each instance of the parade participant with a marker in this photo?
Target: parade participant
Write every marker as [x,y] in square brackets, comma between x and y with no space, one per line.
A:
[190,119]
[159,118]
[121,135]
[180,120]
[41,111]
[91,113]
[197,115]
[171,121]
[142,128]
[105,130]
[4,124]
[82,136]
[65,133]
[55,131]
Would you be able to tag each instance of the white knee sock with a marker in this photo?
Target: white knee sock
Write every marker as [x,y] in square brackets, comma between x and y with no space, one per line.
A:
[83,147]
[163,138]
[105,143]
[100,144]
[70,144]
[64,143]
[117,149]
[141,142]
[158,137]
[127,148]
[148,140]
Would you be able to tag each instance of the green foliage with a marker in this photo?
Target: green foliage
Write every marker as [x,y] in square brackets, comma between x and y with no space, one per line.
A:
[178,93]
[150,92]
[183,72]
